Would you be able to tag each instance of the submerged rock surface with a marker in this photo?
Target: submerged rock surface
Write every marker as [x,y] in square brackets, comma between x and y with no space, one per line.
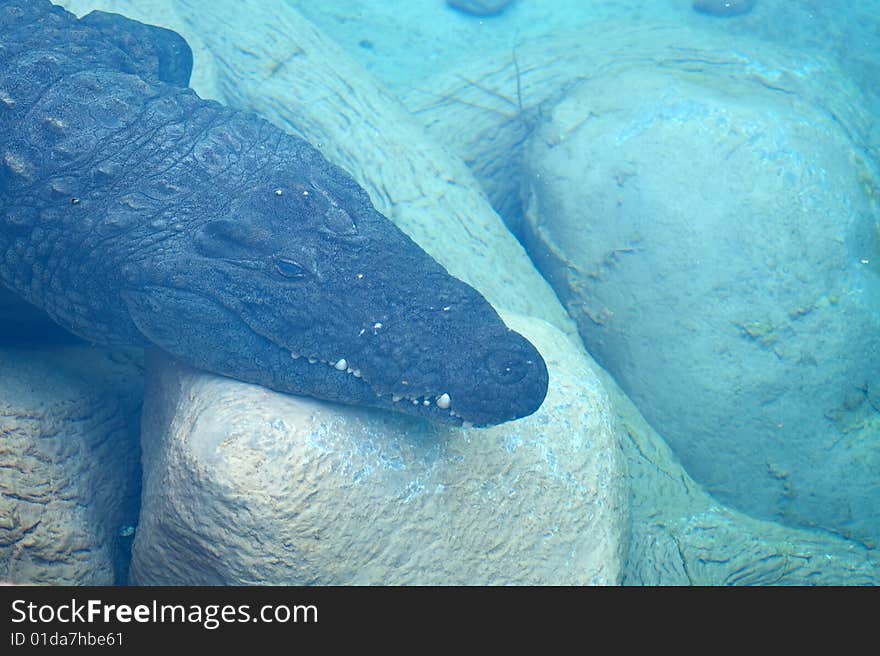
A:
[681,535]
[69,468]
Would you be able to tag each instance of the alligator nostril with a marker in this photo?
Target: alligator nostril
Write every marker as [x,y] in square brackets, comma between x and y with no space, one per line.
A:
[506,368]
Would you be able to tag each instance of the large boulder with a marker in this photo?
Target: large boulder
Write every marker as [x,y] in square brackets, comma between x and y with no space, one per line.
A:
[716,239]
[243,485]
[69,467]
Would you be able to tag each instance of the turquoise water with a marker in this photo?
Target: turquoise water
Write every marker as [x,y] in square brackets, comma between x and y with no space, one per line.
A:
[425,37]
[681,212]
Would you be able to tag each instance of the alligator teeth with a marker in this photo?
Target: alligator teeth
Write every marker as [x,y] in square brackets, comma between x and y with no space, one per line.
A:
[341,364]
[443,401]
[294,355]
[356,373]
[312,360]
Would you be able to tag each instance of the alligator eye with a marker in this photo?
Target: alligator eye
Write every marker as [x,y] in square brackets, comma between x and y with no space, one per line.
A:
[289,269]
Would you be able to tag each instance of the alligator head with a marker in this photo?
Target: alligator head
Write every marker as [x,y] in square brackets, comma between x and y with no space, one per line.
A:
[300,285]
[136,212]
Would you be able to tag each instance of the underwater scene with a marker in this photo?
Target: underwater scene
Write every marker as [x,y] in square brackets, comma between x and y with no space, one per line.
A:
[439,292]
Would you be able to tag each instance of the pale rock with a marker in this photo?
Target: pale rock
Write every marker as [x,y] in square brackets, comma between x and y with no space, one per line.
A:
[681,535]
[715,241]
[69,468]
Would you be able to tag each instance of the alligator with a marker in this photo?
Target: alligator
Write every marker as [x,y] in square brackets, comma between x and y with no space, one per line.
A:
[134,212]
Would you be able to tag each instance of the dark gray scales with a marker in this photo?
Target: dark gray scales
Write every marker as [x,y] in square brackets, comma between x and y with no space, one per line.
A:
[134,212]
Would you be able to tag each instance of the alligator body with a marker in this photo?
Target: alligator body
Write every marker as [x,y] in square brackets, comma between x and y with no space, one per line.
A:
[134,212]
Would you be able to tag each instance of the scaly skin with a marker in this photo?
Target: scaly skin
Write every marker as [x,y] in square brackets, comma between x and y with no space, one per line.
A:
[134,212]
